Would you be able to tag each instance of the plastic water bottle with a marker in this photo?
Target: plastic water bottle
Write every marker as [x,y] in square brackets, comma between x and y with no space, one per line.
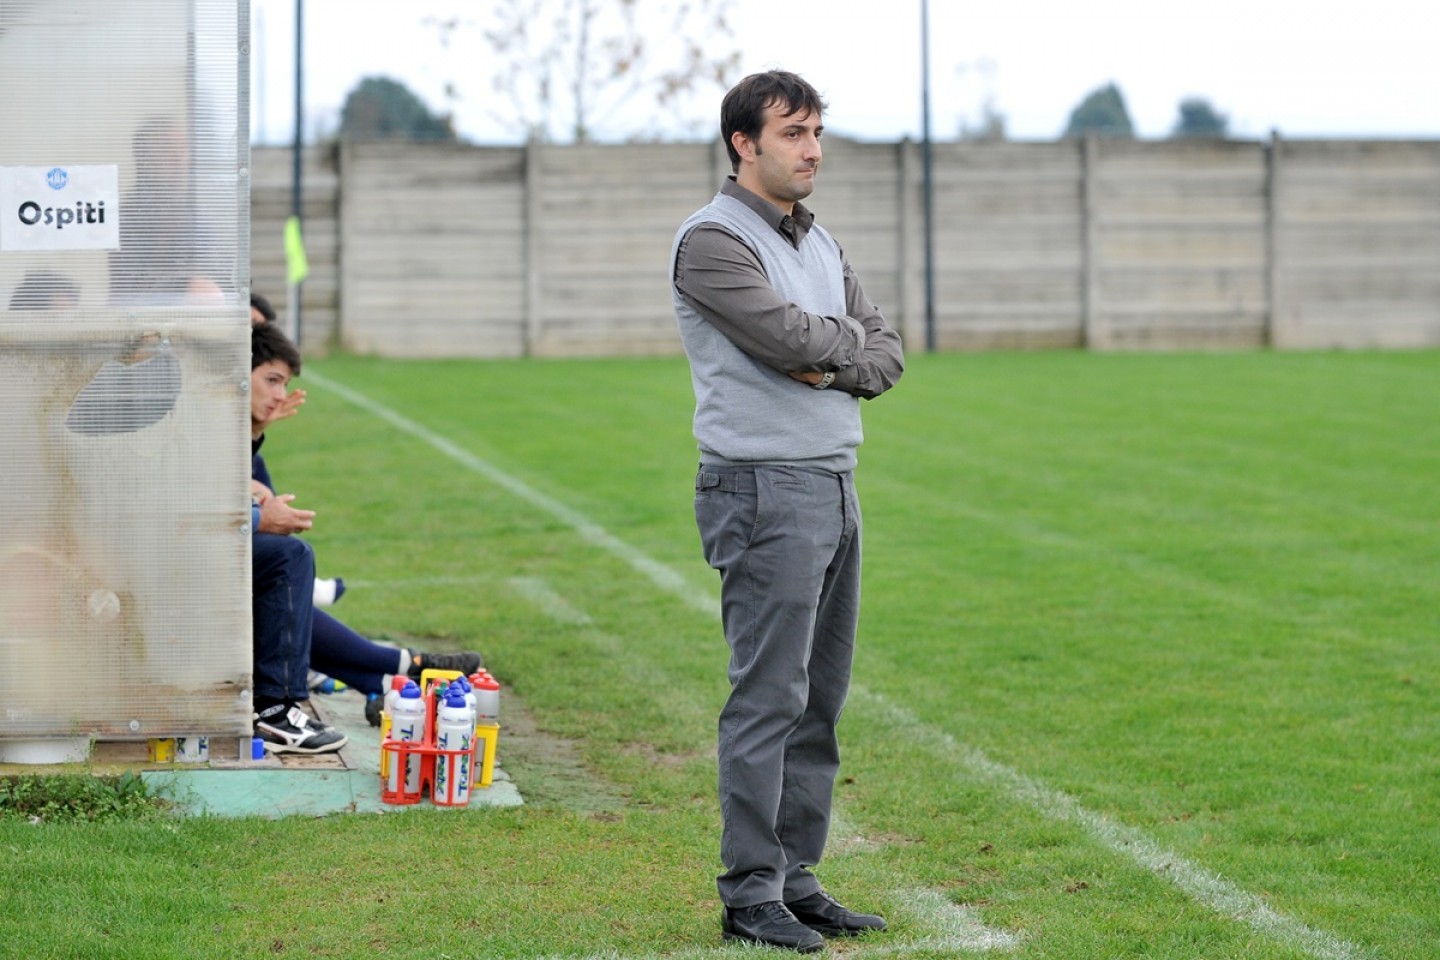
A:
[387,720]
[396,685]
[470,699]
[408,722]
[487,698]
[454,730]
[192,749]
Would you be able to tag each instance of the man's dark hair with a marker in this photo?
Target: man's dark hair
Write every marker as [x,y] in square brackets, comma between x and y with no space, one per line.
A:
[263,305]
[268,342]
[743,109]
[42,289]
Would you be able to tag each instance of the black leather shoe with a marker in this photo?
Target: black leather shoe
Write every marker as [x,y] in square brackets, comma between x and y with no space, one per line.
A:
[821,913]
[771,924]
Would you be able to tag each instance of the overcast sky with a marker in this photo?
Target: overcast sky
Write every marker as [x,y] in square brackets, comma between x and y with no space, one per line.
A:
[1317,69]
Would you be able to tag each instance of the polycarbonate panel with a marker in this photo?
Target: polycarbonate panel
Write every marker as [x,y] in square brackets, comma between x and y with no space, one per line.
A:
[124,368]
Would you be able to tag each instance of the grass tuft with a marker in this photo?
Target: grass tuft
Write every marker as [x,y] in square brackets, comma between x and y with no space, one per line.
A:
[69,798]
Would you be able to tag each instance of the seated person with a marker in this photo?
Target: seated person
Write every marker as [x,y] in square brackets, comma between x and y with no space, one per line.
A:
[260,310]
[327,589]
[44,290]
[335,650]
[283,574]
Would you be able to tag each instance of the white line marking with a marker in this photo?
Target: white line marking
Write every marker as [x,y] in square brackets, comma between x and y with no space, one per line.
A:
[959,925]
[659,574]
[844,835]
[406,583]
[553,605]
[1200,884]
[643,671]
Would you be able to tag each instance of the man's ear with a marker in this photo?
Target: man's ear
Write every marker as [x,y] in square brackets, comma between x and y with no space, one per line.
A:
[743,146]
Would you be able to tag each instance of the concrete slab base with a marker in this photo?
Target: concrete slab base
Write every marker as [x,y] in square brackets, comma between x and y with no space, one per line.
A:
[287,784]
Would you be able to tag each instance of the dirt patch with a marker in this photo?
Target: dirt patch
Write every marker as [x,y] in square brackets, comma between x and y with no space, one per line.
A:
[548,769]
[858,844]
[669,761]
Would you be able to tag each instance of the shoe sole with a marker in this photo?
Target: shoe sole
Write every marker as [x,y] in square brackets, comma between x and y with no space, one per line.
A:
[843,931]
[414,672]
[311,751]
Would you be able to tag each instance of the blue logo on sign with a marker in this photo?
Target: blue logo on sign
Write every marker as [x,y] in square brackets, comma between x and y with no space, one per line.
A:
[57,178]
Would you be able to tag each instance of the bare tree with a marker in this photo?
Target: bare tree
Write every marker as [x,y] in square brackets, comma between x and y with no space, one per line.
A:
[565,69]
[991,124]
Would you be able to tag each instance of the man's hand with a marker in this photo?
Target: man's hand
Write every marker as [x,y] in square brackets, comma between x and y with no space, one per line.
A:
[288,408]
[811,377]
[277,516]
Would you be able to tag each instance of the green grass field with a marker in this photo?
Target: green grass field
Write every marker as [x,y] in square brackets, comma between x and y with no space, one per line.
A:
[1148,668]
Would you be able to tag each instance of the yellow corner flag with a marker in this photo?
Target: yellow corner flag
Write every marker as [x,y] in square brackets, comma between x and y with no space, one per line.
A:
[297,268]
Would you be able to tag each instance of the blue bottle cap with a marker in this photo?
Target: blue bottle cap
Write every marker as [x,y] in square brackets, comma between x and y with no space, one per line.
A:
[455,699]
[411,690]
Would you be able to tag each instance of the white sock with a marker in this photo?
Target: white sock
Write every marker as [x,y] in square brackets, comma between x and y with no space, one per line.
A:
[324,592]
[404,663]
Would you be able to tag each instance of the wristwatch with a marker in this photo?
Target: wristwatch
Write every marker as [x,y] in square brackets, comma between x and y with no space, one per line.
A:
[825,380]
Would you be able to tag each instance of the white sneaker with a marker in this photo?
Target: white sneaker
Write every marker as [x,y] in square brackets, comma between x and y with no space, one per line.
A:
[286,728]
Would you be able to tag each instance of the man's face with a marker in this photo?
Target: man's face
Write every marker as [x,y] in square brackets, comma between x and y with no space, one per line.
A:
[166,158]
[781,165]
[267,389]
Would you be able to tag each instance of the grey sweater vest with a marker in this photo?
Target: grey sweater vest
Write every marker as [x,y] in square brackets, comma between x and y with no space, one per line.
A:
[745,412]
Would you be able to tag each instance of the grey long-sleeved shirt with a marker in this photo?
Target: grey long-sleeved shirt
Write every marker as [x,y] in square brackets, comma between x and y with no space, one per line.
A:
[723,280]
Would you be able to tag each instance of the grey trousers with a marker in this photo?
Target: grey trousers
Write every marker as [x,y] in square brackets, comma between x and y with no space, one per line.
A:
[786,541]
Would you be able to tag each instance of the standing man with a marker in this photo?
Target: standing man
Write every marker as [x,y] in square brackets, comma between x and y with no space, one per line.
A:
[782,343]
